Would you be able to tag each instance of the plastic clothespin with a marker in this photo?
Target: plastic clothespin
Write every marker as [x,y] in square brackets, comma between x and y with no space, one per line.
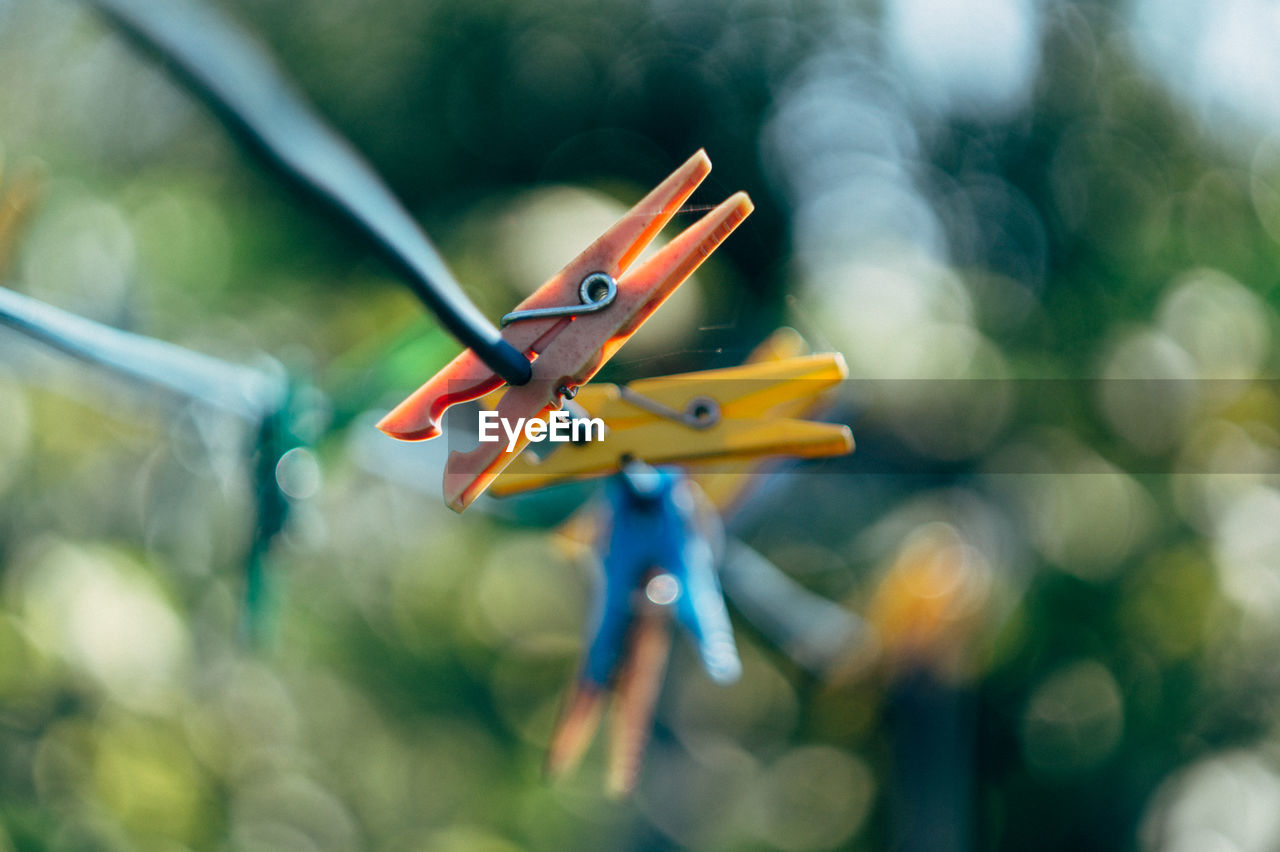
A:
[735,413]
[572,325]
[727,486]
[659,565]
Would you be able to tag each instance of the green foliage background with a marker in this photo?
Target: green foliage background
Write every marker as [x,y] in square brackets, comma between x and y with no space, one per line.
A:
[1117,686]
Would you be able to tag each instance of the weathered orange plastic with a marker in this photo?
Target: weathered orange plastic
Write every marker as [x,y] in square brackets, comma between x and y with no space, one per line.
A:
[567,352]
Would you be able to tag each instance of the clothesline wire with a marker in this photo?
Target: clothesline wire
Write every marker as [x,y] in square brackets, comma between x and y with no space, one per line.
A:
[235,77]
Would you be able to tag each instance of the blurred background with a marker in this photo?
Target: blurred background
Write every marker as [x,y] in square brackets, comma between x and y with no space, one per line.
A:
[1043,233]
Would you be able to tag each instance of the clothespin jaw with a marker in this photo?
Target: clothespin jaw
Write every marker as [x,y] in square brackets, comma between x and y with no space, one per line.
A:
[635,696]
[728,414]
[572,325]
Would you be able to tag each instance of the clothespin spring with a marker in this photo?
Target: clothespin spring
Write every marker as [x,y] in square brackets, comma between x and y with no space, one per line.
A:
[702,412]
[597,292]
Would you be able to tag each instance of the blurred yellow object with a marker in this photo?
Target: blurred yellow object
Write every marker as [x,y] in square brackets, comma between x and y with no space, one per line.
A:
[18,200]
[928,606]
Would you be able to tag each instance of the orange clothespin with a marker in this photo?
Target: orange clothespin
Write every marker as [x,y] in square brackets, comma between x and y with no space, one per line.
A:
[735,413]
[571,325]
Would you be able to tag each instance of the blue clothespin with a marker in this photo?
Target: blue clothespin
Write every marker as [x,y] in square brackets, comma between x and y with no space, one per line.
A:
[659,543]
[659,565]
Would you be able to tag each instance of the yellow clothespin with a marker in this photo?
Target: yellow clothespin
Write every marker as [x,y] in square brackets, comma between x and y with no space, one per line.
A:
[727,485]
[729,414]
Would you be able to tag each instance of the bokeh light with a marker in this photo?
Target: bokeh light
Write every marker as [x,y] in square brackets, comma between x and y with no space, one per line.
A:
[1043,235]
